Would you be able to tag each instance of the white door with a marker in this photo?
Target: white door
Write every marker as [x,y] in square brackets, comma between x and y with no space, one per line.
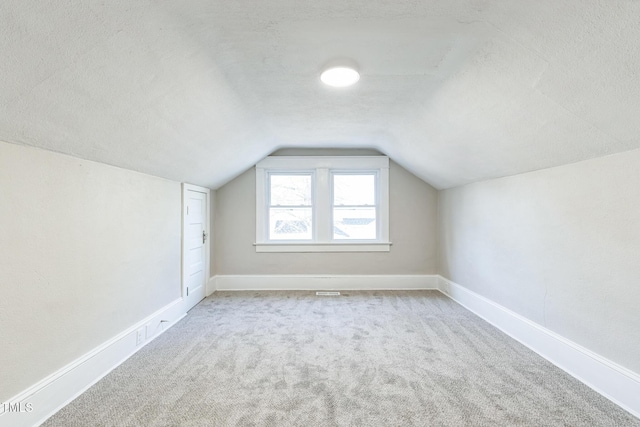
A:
[195,243]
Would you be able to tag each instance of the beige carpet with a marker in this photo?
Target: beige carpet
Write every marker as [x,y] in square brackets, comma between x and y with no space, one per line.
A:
[411,358]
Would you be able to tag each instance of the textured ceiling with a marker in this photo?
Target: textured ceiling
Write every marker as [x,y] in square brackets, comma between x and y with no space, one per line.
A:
[199,90]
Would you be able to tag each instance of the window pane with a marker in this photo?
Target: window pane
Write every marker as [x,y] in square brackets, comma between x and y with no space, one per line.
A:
[354,190]
[290,224]
[354,223]
[290,190]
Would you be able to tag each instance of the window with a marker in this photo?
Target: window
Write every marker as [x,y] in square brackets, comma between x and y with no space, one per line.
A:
[354,206]
[322,204]
[290,208]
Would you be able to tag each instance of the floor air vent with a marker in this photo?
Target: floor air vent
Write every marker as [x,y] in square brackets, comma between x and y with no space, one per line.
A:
[325,294]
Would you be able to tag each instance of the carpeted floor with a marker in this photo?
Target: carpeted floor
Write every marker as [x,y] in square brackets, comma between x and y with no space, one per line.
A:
[398,358]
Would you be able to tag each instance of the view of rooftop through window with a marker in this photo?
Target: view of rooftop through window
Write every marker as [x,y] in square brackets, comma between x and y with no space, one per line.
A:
[353,206]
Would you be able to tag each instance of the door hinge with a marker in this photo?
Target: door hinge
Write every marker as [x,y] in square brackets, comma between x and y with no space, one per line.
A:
[187,210]
[187,291]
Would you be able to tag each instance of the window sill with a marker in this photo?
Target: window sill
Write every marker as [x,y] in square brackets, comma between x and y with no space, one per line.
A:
[323,247]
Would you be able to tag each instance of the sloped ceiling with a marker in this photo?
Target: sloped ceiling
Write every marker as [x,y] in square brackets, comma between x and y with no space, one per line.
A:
[199,90]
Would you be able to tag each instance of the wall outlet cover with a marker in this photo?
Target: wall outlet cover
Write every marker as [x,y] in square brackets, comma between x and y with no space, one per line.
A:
[140,336]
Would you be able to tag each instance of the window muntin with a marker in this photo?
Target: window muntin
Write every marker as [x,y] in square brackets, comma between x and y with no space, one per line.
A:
[290,210]
[354,205]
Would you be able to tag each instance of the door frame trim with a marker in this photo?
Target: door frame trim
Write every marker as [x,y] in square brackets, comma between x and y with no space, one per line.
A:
[207,268]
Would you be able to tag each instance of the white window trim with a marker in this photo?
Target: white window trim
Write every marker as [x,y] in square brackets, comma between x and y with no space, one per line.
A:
[321,167]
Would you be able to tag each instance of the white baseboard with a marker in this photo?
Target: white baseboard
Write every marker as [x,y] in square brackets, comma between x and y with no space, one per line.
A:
[611,380]
[54,392]
[324,282]
[211,286]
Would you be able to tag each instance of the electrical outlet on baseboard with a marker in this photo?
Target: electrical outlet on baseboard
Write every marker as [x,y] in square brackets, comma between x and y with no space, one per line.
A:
[140,336]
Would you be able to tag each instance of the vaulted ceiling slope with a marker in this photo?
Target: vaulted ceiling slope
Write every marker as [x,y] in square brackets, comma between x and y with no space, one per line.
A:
[456,91]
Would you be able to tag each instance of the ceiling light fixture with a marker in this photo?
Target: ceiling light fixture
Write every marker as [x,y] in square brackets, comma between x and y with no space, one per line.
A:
[340,76]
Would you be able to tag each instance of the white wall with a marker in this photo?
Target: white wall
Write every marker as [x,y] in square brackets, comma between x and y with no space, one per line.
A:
[559,246]
[413,228]
[86,251]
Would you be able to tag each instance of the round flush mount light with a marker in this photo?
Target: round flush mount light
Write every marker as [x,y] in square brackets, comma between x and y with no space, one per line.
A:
[340,76]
